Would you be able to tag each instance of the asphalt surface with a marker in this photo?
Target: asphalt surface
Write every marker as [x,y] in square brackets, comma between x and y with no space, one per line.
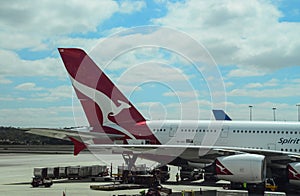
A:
[17,169]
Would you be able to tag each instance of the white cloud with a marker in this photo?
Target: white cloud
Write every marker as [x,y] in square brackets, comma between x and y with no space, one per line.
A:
[37,117]
[28,86]
[263,111]
[278,92]
[152,72]
[36,24]
[189,94]
[3,80]
[130,6]
[12,65]
[254,85]
[245,72]
[54,94]
[247,34]
[271,83]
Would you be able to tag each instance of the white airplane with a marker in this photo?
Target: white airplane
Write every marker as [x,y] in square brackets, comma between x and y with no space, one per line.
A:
[238,151]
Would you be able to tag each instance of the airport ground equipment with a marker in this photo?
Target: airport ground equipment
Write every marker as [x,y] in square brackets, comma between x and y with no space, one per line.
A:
[189,173]
[40,172]
[270,184]
[164,173]
[38,182]
[73,172]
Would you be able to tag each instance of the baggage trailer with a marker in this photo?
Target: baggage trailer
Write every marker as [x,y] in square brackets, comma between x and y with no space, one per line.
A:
[99,170]
[73,172]
[38,181]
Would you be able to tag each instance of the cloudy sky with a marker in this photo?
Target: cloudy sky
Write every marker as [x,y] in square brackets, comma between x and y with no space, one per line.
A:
[254,46]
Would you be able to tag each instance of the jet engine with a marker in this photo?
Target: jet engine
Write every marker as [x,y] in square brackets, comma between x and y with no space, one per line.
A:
[250,168]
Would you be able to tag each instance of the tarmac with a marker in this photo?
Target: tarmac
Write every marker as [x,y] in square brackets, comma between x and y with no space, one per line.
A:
[17,169]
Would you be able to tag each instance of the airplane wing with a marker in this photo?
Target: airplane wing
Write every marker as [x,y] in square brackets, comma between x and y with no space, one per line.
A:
[65,134]
[208,153]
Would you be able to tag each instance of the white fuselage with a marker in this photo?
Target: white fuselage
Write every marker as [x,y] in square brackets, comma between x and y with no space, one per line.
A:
[279,136]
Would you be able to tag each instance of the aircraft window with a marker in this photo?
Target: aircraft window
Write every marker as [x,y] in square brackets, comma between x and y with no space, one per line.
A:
[270,131]
[278,132]
[274,132]
[246,131]
[266,131]
[291,150]
[287,132]
[189,141]
[282,132]
[215,130]
[281,149]
[233,131]
[249,131]
[261,131]
[237,131]
[160,129]
[295,150]
[286,149]
[291,132]
[164,129]
[242,131]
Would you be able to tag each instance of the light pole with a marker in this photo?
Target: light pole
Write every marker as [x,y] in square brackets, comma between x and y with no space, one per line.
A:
[298,104]
[274,109]
[250,111]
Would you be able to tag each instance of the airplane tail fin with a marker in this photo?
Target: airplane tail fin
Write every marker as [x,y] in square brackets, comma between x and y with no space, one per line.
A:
[106,108]
[221,115]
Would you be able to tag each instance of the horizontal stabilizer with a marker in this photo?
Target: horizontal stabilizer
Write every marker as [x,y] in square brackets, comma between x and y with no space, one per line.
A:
[78,146]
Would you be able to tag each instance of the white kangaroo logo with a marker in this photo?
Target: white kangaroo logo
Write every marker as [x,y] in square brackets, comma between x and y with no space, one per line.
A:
[108,107]
[294,173]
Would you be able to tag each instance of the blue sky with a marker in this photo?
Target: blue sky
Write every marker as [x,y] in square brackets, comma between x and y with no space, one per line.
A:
[255,45]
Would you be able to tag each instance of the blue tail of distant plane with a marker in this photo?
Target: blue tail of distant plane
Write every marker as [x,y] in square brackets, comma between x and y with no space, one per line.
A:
[221,115]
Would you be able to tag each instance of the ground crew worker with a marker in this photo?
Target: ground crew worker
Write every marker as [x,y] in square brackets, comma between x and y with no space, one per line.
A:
[177,177]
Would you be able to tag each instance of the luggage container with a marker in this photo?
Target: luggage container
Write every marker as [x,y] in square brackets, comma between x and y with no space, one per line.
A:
[62,173]
[73,172]
[84,172]
[40,172]
[99,170]
[50,172]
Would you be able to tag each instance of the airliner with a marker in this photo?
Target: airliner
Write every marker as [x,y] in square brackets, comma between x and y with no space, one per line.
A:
[238,151]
